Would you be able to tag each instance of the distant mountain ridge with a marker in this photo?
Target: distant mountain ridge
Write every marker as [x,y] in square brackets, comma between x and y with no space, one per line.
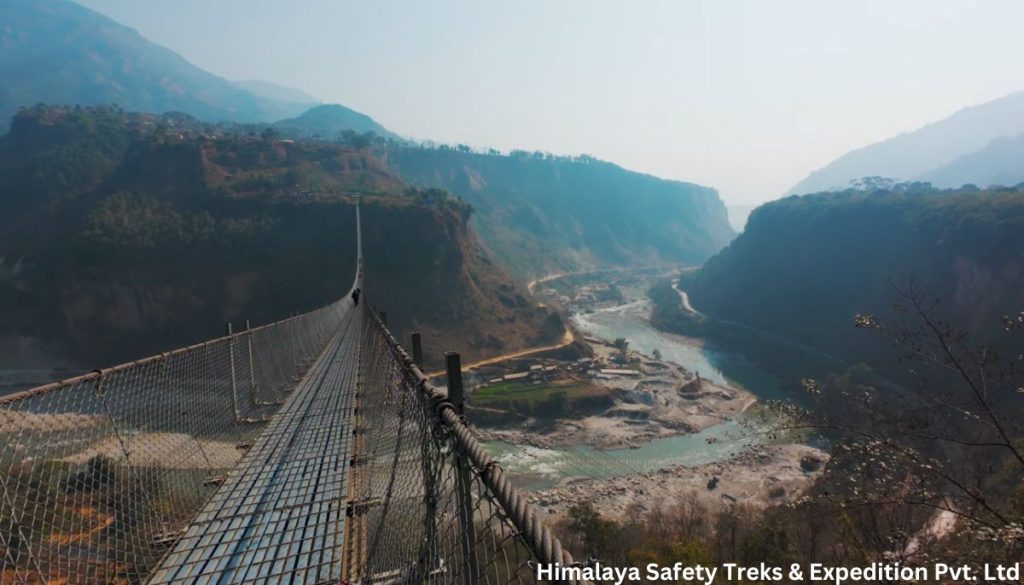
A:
[919,153]
[1000,162]
[59,52]
[276,92]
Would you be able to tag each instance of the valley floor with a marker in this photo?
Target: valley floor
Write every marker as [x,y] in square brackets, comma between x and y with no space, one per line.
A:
[758,477]
[664,401]
[656,401]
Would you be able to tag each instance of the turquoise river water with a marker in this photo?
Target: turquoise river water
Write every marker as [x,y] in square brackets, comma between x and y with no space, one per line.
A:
[537,468]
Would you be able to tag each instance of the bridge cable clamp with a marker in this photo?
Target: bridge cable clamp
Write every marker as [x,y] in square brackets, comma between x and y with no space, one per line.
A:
[98,388]
[490,466]
[440,406]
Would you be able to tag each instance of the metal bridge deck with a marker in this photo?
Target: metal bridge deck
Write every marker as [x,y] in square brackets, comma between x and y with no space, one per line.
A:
[279,517]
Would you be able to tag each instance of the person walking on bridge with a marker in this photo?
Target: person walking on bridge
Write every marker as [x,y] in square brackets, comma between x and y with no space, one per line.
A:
[355,296]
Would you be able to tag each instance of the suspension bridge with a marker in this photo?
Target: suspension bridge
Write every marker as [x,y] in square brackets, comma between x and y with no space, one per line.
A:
[312,450]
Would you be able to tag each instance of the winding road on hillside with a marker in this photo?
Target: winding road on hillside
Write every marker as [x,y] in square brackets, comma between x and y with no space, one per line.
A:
[685,299]
[567,339]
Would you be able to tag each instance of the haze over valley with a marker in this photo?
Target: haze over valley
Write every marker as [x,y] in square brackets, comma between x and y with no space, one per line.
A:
[726,283]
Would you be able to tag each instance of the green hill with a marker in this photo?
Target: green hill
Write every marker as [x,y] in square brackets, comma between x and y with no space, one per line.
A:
[126,234]
[541,214]
[329,121]
[804,266]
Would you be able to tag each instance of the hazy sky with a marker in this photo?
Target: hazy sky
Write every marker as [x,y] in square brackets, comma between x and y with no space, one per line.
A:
[745,96]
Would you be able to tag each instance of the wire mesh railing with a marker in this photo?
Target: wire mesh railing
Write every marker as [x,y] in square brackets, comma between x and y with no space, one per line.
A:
[100,474]
[428,503]
[103,475]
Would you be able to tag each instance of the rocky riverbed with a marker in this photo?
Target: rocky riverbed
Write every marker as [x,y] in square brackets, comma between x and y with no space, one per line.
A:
[693,441]
[663,401]
[758,477]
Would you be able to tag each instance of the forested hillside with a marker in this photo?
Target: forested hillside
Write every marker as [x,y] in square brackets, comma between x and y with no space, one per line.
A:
[125,234]
[895,318]
[806,265]
[542,214]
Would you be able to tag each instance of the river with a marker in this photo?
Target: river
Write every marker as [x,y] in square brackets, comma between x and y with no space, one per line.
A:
[630,321]
[536,468]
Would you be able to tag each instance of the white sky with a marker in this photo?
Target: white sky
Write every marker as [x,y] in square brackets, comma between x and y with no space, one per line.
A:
[745,96]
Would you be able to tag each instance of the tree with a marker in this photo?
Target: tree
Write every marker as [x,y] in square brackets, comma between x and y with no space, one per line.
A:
[951,445]
[621,343]
[597,535]
[357,140]
[872,184]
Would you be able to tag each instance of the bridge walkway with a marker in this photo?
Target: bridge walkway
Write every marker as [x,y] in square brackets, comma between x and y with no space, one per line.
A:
[279,517]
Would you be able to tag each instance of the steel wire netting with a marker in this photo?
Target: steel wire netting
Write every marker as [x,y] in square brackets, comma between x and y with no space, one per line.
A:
[100,474]
[428,503]
[146,472]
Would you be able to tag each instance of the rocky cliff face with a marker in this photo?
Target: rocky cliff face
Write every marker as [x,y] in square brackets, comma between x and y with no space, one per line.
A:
[425,267]
[542,214]
[136,234]
[805,265]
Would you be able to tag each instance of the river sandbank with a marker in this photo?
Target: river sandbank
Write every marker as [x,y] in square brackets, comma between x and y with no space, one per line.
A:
[652,407]
[758,477]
